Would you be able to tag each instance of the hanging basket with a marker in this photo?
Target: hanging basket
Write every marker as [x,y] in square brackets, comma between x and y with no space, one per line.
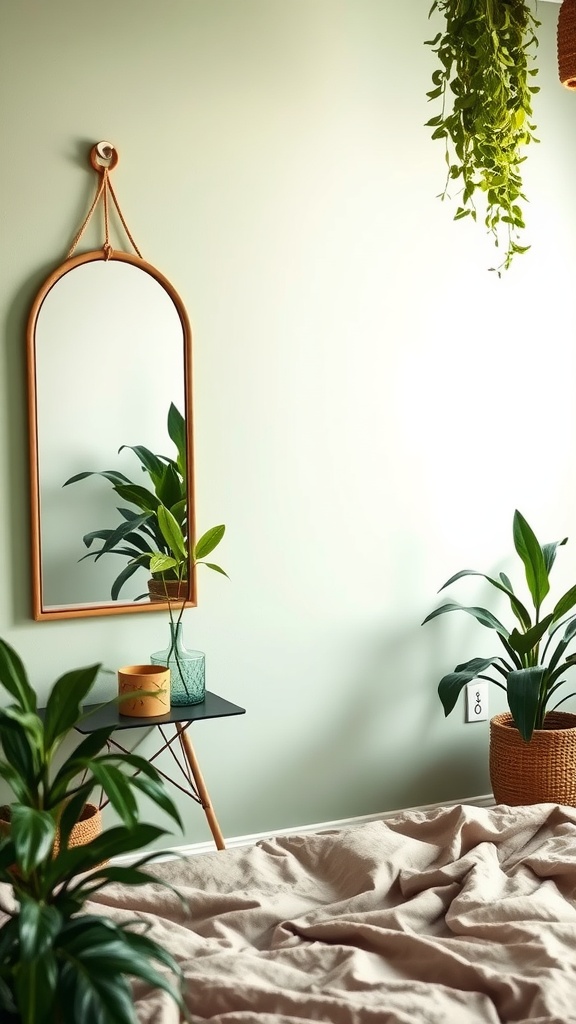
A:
[541,771]
[567,44]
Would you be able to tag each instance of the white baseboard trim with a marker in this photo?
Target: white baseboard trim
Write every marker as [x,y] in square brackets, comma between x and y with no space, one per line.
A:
[194,849]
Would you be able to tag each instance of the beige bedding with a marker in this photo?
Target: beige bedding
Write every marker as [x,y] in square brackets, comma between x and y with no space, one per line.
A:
[460,916]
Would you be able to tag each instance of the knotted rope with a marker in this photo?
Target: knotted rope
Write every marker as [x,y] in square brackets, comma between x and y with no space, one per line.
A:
[104,190]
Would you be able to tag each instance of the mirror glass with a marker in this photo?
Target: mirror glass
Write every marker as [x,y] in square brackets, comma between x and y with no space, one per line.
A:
[109,347]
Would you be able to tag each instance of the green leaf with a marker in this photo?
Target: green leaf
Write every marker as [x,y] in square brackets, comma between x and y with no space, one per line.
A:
[120,533]
[208,541]
[484,617]
[16,782]
[505,586]
[14,679]
[113,842]
[90,746]
[152,464]
[117,789]
[33,835]
[38,926]
[170,488]
[172,533]
[36,982]
[532,556]
[523,643]
[524,686]
[97,951]
[122,578]
[451,685]
[19,750]
[565,604]
[139,496]
[109,474]
[66,697]
[154,790]
[160,563]
[177,434]
[215,568]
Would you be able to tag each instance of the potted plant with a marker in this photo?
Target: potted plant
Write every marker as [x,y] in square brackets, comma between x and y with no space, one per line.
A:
[154,530]
[483,85]
[58,962]
[533,746]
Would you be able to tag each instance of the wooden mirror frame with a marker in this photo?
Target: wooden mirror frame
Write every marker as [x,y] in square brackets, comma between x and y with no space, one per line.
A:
[39,610]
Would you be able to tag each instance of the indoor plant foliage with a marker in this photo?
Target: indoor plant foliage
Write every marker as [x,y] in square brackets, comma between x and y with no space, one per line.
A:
[58,963]
[535,659]
[153,530]
[483,84]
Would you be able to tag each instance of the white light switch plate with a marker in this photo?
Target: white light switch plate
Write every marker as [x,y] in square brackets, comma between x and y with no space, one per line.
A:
[477,701]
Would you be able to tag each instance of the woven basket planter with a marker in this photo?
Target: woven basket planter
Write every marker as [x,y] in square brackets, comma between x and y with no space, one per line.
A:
[567,44]
[161,591]
[541,771]
[87,828]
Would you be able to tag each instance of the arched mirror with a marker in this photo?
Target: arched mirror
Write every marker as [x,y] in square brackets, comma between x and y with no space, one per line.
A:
[110,386]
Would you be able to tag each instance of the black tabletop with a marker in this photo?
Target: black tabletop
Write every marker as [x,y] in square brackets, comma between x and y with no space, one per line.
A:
[103,717]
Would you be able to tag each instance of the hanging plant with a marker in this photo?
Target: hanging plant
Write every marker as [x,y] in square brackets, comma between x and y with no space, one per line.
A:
[483,83]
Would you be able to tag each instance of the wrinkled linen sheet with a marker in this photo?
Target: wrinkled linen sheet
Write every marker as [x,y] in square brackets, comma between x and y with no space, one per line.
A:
[463,915]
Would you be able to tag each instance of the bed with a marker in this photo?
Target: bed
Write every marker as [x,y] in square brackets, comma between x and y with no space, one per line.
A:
[462,915]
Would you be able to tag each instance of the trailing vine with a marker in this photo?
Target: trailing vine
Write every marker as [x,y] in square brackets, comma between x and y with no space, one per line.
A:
[483,83]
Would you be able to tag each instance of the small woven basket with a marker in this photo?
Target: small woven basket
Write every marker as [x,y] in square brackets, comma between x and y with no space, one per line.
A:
[87,828]
[541,771]
[566,38]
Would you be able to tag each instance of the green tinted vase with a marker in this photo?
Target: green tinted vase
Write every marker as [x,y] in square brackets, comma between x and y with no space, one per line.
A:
[187,669]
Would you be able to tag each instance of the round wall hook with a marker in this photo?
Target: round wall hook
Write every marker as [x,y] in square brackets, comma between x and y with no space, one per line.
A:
[103,156]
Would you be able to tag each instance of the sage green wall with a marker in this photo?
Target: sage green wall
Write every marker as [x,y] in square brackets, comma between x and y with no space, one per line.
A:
[371,404]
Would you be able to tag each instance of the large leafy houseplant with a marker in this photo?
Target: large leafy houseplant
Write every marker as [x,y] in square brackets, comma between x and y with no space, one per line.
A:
[483,85]
[58,963]
[535,658]
[153,531]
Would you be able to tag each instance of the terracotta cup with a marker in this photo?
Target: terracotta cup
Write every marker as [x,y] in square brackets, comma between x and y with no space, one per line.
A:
[155,679]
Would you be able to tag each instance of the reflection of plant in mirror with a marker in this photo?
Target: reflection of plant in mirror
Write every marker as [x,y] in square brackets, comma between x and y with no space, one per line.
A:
[154,532]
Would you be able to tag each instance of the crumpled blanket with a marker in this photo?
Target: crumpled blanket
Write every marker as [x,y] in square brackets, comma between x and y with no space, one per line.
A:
[462,915]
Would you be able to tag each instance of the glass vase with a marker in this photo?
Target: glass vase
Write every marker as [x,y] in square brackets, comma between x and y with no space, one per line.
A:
[187,669]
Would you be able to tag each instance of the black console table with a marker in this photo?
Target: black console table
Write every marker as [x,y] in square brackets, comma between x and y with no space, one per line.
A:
[173,730]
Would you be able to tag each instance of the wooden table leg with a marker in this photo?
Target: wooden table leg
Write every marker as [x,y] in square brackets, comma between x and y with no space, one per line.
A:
[201,787]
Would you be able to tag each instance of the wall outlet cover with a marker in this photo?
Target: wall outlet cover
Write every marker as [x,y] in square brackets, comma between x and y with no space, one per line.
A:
[477,701]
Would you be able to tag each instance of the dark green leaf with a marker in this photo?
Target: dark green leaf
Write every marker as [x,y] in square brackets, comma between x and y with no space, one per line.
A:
[525,642]
[108,474]
[532,556]
[177,434]
[451,685]
[66,697]
[33,834]
[117,789]
[151,462]
[113,842]
[38,926]
[14,679]
[36,982]
[565,604]
[524,686]
[518,608]
[484,617]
